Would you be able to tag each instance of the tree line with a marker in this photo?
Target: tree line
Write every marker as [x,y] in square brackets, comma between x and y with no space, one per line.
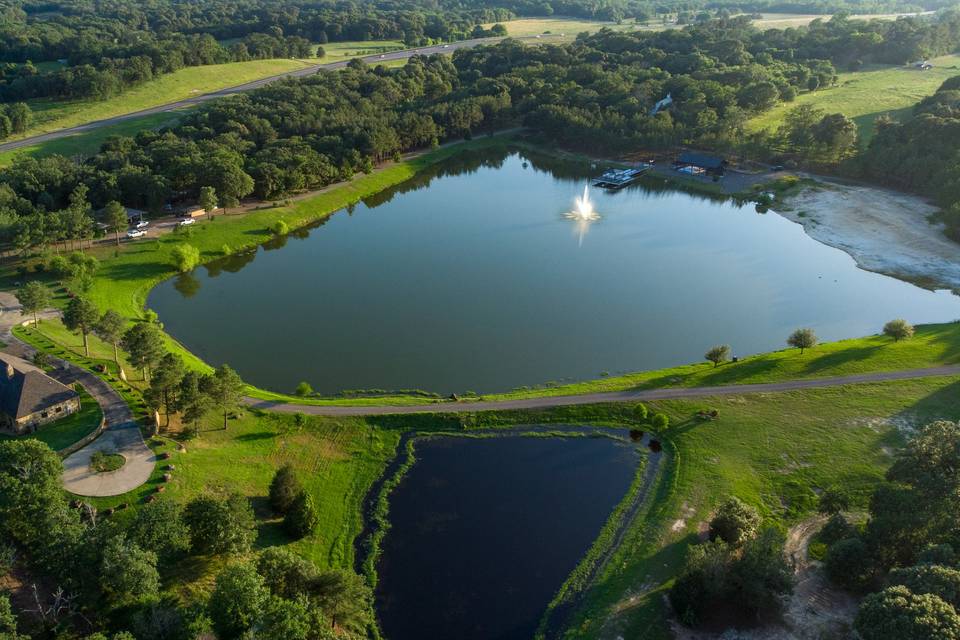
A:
[919,153]
[596,93]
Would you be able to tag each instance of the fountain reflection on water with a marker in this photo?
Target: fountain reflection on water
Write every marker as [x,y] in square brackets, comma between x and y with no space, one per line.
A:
[582,214]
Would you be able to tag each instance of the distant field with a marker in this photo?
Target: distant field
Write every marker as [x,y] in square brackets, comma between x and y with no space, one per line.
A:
[864,95]
[565,26]
[787,20]
[340,50]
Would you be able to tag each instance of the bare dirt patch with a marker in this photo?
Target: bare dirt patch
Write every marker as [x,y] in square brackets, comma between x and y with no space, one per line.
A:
[815,610]
[884,231]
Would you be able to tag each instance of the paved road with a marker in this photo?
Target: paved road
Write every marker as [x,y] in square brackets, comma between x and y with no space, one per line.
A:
[122,435]
[616,396]
[256,84]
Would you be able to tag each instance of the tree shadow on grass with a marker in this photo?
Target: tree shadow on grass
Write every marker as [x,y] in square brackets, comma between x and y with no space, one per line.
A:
[829,361]
[942,404]
[734,372]
[253,437]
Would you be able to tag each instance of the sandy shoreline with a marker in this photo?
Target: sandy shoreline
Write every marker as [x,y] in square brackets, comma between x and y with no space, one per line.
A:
[884,231]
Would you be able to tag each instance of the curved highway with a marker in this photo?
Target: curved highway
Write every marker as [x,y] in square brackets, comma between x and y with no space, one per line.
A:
[402,54]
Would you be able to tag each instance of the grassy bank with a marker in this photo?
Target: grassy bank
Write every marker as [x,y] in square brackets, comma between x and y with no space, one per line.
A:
[871,92]
[65,431]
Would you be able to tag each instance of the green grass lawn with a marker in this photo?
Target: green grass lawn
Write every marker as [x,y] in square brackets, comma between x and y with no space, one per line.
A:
[64,432]
[50,115]
[88,142]
[864,95]
[335,51]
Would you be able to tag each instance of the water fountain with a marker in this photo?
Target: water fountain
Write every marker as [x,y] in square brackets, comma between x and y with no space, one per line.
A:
[583,213]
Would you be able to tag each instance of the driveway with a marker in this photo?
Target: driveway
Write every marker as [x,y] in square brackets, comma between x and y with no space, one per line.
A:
[122,435]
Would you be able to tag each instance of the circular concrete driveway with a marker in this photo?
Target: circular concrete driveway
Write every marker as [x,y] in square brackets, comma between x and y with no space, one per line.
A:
[122,435]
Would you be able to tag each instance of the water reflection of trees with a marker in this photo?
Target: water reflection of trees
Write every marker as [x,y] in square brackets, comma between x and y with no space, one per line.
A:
[187,285]
[563,168]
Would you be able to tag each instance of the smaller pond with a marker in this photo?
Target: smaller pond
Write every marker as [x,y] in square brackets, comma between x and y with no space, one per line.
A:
[484,532]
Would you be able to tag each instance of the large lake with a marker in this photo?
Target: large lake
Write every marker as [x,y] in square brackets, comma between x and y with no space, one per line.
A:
[473,279]
[475,555]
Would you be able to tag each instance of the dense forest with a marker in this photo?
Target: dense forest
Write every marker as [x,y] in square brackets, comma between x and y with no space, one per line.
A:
[596,93]
[107,46]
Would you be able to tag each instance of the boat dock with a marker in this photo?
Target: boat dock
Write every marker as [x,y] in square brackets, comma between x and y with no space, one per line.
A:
[619,178]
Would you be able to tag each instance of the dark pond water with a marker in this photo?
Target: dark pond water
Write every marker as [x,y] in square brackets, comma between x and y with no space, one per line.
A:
[475,280]
[475,554]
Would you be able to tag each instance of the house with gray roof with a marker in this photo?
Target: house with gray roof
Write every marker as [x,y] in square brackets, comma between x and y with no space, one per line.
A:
[30,398]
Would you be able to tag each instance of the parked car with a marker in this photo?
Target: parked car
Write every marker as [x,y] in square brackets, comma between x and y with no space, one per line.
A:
[185,221]
[136,233]
[143,224]
[776,167]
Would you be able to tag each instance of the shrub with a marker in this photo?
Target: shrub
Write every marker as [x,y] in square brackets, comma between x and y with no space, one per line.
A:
[833,500]
[284,488]
[640,412]
[942,582]
[127,572]
[898,329]
[280,228]
[718,354]
[837,528]
[237,600]
[735,522]
[938,554]
[303,518]
[185,257]
[897,613]
[284,573]
[304,389]
[220,525]
[848,564]
[659,421]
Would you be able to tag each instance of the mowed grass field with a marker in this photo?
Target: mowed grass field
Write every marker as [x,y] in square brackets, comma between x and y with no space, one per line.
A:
[866,94]
[793,20]
[88,142]
[51,115]
[566,26]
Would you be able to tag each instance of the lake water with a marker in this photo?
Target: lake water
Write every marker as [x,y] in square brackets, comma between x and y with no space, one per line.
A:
[473,279]
[479,555]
